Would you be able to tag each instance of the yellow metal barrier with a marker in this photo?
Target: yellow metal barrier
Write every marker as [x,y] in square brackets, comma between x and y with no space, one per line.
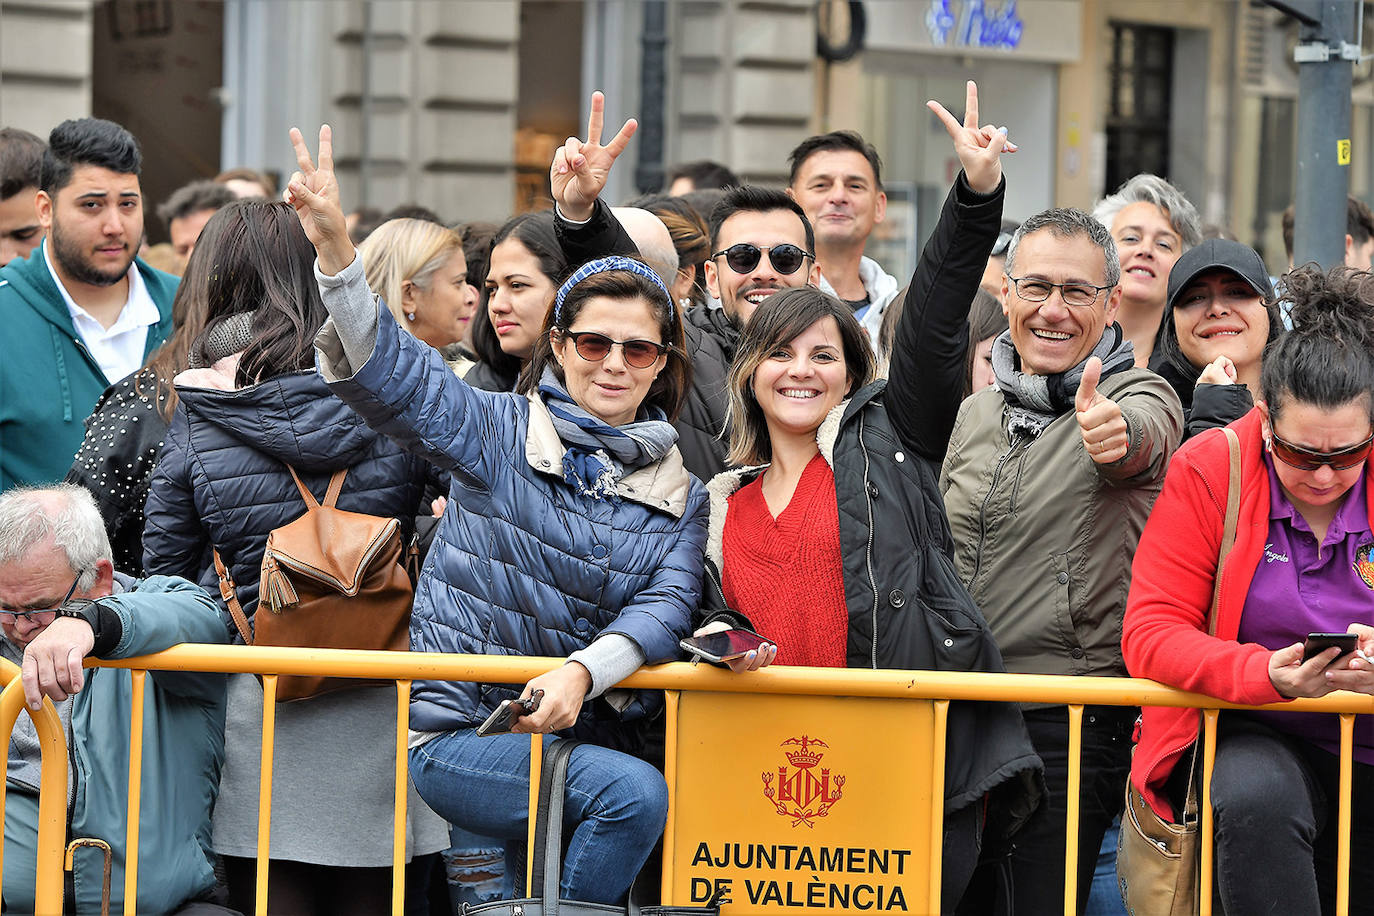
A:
[931,690]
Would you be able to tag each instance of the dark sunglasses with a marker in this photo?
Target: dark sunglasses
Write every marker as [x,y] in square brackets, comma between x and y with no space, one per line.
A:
[594,347]
[1304,459]
[744,257]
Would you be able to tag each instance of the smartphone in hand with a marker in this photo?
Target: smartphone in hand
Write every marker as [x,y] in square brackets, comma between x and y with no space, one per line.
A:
[1318,643]
[723,646]
[503,717]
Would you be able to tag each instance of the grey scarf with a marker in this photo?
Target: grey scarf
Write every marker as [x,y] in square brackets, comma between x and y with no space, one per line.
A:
[230,336]
[1035,401]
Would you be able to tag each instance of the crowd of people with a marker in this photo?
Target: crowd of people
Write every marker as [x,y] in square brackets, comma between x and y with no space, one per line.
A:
[608,428]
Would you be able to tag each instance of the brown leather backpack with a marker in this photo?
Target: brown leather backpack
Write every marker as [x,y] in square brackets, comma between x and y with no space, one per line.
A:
[330,580]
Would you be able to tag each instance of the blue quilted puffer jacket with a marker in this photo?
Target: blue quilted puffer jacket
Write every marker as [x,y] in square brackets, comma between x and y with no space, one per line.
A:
[521,564]
[222,480]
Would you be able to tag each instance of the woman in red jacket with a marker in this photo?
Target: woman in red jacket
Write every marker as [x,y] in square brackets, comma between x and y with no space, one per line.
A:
[1302,562]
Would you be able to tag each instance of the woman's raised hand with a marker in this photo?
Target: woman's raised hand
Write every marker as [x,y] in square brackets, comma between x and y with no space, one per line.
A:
[314,191]
[979,148]
[580,167]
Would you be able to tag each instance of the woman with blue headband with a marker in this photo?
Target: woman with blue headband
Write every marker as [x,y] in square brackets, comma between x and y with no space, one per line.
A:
[572,530]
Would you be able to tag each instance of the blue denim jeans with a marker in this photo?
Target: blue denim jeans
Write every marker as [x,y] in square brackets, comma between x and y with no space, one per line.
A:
[617,804]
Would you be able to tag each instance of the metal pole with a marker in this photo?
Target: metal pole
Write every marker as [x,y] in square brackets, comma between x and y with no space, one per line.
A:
[652,79]
[365,112]
[1325,56]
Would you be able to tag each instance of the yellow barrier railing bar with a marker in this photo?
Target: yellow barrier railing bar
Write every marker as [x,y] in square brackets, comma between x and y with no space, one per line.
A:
[398,827]
[140,679]
[52,795]
[1209,756]
[1343,817]
[268,750]
[937,806]
[1071,809]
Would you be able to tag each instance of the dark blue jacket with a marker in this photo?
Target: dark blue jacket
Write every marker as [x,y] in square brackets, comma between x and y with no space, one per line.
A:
[522,565]
[222,480]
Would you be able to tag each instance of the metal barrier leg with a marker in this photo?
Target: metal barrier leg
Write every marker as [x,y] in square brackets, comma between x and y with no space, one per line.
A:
[398,830]
[1071,810]
[670,698]
[269,739]
[52,799]
[536,767]
[937,803]
[140,679]
[1343,819]
[1209,757]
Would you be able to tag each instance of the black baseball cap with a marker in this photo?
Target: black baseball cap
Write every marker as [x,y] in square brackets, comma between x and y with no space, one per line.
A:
[1219,254]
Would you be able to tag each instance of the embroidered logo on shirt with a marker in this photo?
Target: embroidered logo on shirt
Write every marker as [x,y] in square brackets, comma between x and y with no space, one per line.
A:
[1364,563]
[1270,557]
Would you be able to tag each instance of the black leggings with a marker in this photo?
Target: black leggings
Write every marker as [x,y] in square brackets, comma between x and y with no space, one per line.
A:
[302,889]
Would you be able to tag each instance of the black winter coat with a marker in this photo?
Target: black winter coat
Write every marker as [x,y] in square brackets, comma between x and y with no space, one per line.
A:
[712,338]
[907,606]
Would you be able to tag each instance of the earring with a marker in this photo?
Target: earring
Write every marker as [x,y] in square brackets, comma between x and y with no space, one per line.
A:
[684,301]
[410,316]
[1268,444]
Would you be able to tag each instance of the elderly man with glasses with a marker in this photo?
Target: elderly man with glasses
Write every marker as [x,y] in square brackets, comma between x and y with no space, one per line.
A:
[61,601]
[1049,478]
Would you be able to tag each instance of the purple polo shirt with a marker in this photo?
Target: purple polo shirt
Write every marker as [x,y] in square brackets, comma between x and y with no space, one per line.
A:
[1299,588]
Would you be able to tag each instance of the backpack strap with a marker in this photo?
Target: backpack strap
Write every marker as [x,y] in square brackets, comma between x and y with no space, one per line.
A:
[335,487]
[231,598]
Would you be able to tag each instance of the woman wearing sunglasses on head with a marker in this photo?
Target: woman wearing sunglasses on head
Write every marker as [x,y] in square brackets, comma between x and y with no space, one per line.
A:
[572,530]
[1301,564]
[834,542]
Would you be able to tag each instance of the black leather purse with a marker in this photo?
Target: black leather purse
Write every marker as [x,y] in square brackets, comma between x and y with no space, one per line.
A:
[548,860]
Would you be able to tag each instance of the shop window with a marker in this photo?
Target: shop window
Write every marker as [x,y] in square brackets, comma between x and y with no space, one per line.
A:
[1141,80]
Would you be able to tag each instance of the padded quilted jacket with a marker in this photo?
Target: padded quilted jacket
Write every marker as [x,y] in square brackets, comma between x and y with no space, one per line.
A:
[522,565]
[222,480]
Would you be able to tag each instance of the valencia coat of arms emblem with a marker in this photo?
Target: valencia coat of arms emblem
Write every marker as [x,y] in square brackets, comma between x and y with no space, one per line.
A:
[801,793]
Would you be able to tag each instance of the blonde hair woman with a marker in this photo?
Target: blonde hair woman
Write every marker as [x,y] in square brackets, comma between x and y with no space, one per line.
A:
[418,269]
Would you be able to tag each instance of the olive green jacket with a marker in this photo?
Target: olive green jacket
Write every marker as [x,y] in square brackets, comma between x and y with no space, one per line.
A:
[1044,536]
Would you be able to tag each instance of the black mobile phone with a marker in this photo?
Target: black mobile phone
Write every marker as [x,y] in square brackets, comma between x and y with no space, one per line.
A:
[1319,642]
[505,714]
[723,646]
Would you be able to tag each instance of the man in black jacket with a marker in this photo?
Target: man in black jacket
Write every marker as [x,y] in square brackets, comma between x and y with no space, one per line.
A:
[761,242]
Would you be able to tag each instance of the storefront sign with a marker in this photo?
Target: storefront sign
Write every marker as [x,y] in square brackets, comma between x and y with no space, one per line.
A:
[974,24]
[1028,30]
[802,803]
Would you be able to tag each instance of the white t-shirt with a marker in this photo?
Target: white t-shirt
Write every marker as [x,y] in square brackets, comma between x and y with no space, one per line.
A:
[118,350]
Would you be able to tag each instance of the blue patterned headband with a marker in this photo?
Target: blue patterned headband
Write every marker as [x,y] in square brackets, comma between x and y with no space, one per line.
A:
[601,266]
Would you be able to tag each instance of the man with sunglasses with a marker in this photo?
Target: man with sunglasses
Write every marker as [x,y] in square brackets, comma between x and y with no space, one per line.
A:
[61,601]
[1048,481]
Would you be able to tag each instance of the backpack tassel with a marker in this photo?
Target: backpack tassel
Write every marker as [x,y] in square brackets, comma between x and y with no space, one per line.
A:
[277,590]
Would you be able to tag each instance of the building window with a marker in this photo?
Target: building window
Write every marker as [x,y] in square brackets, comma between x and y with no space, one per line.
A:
[1141,80]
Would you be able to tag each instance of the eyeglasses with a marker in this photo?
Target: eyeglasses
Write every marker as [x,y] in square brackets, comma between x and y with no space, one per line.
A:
[40,616]
[744,257]
[1305,459]
[1033,289]
[594,347]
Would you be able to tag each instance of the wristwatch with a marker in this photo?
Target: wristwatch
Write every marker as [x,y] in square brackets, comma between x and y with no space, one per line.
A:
[83,609]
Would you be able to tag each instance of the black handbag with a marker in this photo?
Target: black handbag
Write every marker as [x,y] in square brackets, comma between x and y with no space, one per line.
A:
[548,860]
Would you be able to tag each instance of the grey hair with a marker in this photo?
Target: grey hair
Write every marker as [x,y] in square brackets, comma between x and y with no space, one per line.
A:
[1065,223]
[1151,189]
[64,512]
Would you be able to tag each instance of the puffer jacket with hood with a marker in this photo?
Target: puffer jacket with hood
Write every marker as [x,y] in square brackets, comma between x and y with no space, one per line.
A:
[522,564]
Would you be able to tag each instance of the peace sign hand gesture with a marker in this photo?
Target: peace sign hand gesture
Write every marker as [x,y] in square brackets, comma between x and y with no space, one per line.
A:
[580,167]
[979,148]
[314,192]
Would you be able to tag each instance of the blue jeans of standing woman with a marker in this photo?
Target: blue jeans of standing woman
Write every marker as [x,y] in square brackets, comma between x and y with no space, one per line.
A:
[617,803]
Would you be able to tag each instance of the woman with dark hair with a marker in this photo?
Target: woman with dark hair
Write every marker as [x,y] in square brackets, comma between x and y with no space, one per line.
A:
[525,268]
[125,432]
[833,542]
[572,530]
[1301,563]
[1223,317]
[252,411]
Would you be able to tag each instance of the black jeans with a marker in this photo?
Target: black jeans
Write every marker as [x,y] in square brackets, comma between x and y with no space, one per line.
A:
[1030,880]
[1274,804]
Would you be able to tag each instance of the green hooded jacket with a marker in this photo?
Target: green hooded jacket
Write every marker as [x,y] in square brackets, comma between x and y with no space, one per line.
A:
[49,381]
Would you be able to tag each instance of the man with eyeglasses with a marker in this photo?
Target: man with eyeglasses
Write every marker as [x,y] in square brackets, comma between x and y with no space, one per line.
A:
[1049,478]
[60,602]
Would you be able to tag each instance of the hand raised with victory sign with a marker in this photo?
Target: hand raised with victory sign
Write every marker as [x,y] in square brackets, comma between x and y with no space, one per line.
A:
[580,167]
[1104,430]
[314,192]
[979,148]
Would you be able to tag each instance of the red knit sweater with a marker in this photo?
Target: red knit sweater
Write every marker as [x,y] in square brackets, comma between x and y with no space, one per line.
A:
[786,574]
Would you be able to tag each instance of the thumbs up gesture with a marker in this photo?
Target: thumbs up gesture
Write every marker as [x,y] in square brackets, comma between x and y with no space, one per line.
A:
[1099,418]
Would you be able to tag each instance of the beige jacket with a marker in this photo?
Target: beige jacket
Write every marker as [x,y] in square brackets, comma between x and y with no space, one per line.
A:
[1044,536]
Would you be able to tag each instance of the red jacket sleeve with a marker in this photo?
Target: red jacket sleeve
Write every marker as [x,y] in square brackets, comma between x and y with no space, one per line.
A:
[1164,636]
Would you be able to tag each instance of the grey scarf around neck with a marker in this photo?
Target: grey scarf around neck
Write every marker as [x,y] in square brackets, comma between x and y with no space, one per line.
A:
[1035,401]
[230,336]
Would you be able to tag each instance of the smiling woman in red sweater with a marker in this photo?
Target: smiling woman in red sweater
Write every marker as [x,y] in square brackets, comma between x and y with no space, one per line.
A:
[1301,563]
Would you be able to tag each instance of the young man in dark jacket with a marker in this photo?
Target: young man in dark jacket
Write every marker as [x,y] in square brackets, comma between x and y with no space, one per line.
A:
[81,312]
